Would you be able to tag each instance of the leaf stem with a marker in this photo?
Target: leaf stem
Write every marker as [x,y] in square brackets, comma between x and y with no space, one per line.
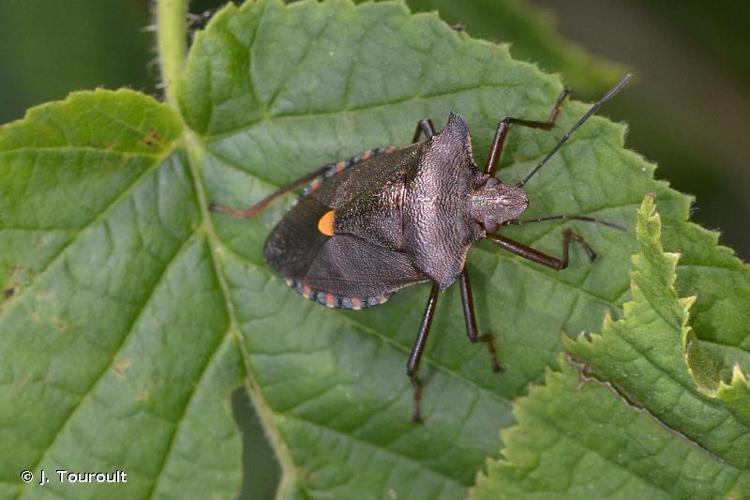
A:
[171,26]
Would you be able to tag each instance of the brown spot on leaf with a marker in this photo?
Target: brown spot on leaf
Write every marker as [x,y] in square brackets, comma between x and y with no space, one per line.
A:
[120,366]
[144,394]
[152,139]
[60,324]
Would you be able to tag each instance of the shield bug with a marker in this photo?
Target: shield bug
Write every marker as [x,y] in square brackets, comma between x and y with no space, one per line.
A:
[393,217]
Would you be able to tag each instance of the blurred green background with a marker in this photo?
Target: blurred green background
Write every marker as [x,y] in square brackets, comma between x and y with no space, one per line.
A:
[688,109]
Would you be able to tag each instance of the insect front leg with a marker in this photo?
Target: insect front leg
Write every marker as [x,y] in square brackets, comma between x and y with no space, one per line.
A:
[467,300]
[496,149]
[255,210]
[424,127]
[540,257]
[416,352]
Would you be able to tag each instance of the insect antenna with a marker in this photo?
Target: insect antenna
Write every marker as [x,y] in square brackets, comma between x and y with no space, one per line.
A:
[593,109]
[585,218]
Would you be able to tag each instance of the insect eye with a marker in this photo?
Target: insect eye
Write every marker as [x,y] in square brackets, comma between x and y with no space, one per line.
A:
[490,225]
[491,183]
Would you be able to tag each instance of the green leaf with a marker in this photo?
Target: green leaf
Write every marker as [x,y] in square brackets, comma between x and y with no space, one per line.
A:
[630,422]
[695,379]
[532,37]
[131,312]
[659,362]
[115,353]
[271,91]
[577,438]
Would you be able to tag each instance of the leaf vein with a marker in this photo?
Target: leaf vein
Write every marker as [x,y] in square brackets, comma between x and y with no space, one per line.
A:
[376,447]
[581,443]
[101,216]
[364,107]
[173,436]
[79,149]
[106,368]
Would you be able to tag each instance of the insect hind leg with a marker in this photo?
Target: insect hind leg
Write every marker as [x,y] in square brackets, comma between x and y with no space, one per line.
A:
[311,182]
[258,208]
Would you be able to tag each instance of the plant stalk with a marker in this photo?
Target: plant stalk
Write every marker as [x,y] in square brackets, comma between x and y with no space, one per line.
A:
[171,36]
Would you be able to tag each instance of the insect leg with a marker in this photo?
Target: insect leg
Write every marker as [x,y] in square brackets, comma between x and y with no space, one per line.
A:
[471,322]
[542,258]
[416,352]
[256,209]
[496,149]
[424,127]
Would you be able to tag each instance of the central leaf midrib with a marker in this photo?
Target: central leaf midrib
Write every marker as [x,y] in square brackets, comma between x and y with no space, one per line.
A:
[192,145]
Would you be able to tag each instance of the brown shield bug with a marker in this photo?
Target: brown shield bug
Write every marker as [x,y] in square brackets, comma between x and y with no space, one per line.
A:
[389,218]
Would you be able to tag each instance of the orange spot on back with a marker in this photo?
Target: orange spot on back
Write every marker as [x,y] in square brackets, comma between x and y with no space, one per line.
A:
[325,224]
